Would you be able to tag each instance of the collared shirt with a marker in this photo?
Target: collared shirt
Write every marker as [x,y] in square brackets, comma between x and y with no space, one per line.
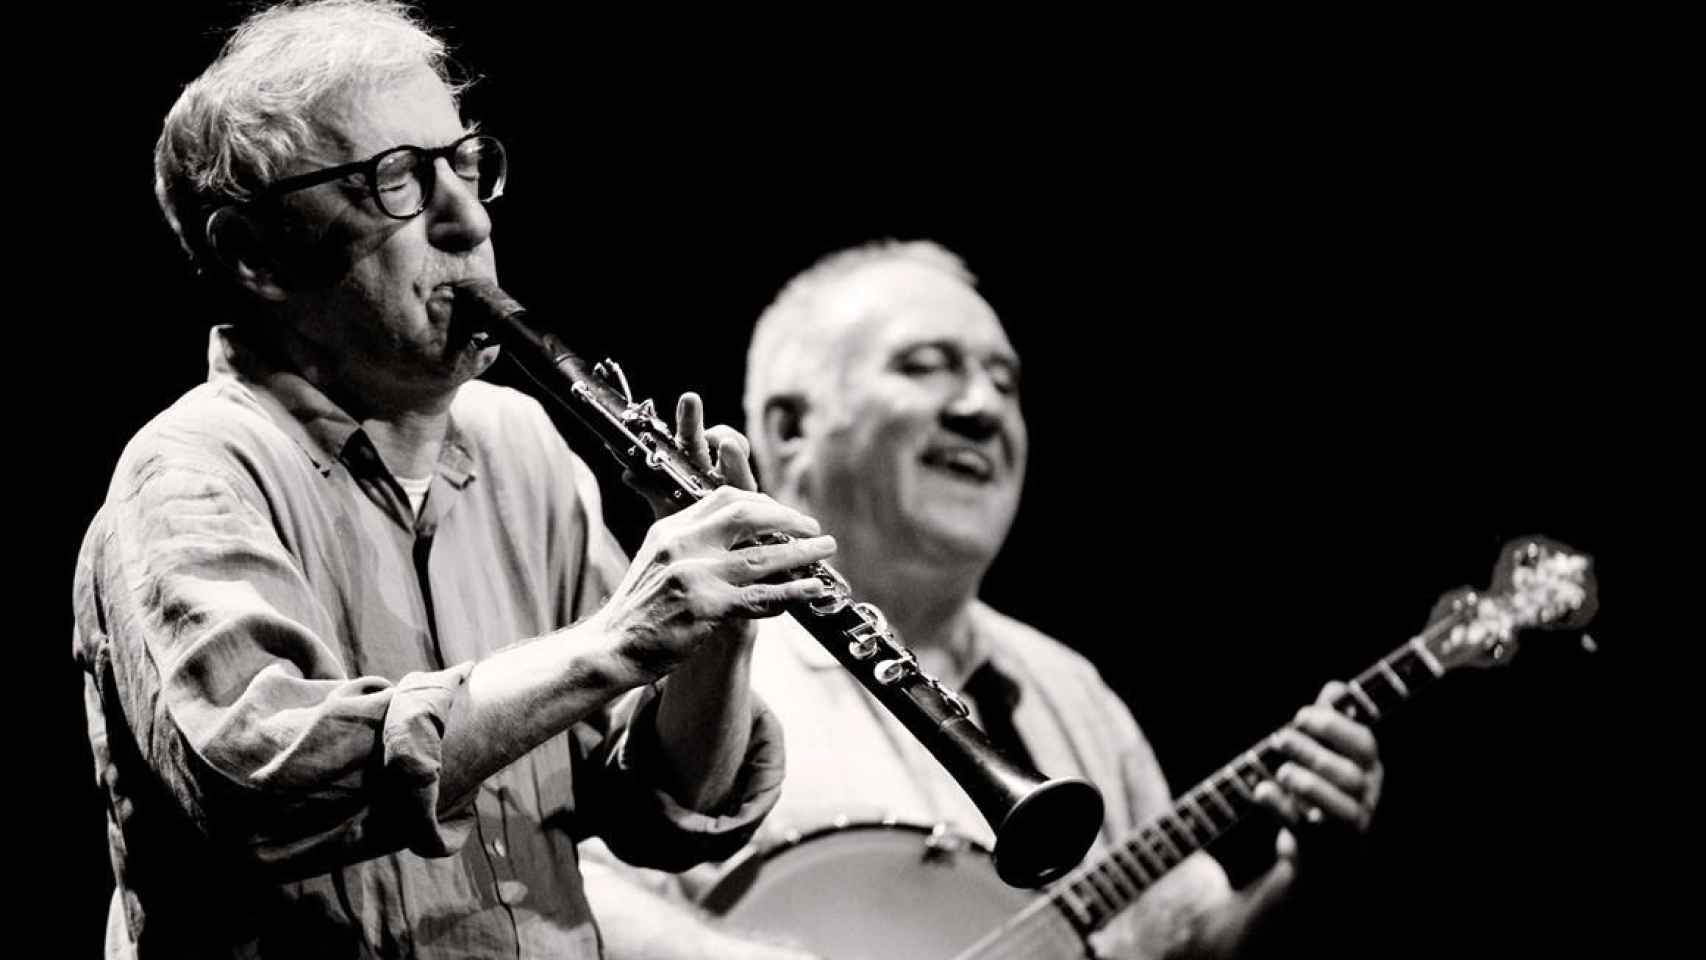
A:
[273,638]
[1072,724]
[850,761]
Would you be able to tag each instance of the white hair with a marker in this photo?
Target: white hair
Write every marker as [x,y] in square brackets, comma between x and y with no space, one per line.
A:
[236,127]
[791,341]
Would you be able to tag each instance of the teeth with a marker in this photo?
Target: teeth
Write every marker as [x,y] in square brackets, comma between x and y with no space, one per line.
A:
[962,460]
[969,461]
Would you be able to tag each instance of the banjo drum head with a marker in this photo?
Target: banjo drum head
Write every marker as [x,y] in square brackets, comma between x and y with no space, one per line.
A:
[872,891]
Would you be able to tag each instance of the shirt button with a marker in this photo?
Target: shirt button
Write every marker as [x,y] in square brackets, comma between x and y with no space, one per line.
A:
[512,892]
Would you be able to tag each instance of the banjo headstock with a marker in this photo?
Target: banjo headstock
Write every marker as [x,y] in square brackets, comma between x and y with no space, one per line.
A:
[1537,585]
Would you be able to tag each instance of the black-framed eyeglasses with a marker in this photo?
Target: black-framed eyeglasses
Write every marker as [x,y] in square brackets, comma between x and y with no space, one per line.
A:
[401,179]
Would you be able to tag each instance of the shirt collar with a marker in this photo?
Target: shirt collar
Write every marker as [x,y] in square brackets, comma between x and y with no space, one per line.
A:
[320,427]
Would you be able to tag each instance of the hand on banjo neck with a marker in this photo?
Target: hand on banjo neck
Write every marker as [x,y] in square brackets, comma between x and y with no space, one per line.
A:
[882,889]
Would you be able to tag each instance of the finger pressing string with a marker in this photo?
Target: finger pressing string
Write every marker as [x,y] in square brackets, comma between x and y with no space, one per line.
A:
[1312,756]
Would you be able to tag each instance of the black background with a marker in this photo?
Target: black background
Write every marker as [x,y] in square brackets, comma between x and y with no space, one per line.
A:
[1306,339]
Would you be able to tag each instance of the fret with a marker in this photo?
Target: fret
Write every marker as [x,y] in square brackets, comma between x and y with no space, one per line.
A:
[1095,902]
[1358,706]
[1158,845]
[1419,647]
[1068,895]
[1412,667]
[1186,823]
[1201,814]
[1393,678]
[1214,791]
[1254,758]
[1181,838]
[1241,792]
[1108,892]
[1125,889]
[1134,866]
[1141,850]
[1379,689]
[1268,755]
[1250,773]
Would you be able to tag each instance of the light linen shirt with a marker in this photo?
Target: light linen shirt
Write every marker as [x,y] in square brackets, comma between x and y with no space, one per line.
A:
[272,640]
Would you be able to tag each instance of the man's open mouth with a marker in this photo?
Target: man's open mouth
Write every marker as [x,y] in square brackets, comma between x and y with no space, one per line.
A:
[965,463]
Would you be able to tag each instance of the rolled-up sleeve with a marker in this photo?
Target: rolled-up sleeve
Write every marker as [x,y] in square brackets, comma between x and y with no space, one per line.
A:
[641,822]
[217,653]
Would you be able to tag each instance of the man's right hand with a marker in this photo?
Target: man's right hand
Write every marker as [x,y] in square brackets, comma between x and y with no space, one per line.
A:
[688,584]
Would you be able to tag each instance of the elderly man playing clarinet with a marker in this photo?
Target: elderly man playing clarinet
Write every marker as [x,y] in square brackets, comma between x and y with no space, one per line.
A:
[362,662]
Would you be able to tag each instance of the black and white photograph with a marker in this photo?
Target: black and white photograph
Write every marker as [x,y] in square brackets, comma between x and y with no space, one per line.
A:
[777,488]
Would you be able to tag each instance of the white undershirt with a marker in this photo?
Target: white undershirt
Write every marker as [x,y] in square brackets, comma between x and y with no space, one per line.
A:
[416,488]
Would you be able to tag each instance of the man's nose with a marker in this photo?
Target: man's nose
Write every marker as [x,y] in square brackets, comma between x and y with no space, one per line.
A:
[459,219]
[976,406]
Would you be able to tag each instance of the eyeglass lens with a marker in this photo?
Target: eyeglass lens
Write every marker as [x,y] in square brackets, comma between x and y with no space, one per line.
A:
[403,181]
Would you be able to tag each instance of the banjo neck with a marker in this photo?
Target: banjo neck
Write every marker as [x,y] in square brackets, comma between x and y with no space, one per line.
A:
[1542,586]
[887,890]
[1104,887]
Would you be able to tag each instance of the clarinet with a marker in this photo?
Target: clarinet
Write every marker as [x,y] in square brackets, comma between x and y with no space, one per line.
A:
[1042,826]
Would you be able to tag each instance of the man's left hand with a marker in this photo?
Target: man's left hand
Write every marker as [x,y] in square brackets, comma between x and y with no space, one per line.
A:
[722,451]
[1329,786]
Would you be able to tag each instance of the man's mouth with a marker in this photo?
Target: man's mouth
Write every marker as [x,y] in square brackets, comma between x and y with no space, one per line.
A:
[440,302]
[442,311]
[962,462]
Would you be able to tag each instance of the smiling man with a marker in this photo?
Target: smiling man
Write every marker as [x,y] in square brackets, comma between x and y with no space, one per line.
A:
[883,398]
[362,662]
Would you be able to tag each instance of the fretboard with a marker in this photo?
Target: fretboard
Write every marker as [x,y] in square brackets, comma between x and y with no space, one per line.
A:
[1095,893]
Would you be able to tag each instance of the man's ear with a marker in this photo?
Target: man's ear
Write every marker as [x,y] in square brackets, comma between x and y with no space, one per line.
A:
[784,426]
[235,244]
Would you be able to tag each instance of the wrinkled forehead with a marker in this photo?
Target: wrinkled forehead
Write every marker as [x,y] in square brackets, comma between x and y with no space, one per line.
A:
[884,308]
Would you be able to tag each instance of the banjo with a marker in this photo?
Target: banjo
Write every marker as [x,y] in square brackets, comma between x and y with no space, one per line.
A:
[853,891]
